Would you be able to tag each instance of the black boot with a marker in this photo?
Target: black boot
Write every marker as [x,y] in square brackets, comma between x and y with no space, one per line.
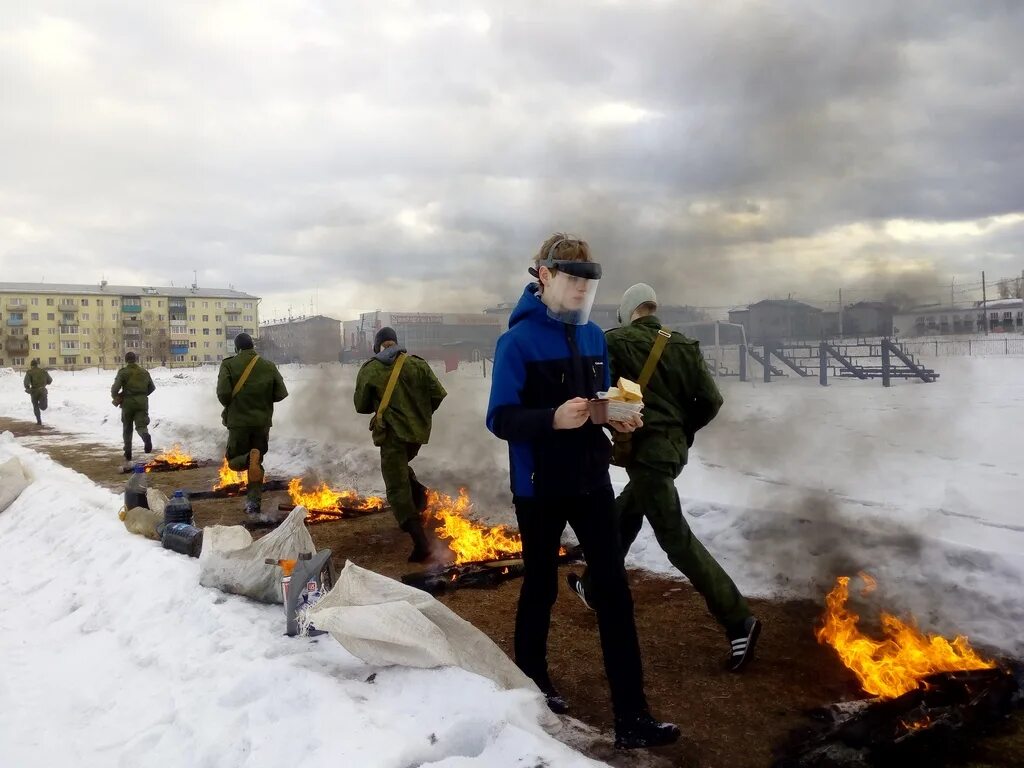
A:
[640,731]
[147,443]
[127,454]
[421,546]
[556,702]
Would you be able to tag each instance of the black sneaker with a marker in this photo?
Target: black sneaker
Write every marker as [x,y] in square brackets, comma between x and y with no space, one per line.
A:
[147,444]
[742,642]
[556,702]
[642,731]
[127,455]
[576,585]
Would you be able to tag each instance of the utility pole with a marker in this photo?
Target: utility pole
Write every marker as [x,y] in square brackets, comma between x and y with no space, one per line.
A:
[951,302]
[984,300]
[840,313]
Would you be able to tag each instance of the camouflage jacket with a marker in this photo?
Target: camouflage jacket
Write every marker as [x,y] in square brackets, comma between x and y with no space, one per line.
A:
[133,385]
[253,406]
[417,395]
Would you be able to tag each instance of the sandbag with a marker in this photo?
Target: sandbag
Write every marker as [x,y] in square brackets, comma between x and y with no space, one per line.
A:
[13,480]
[143,522]
[383,621]
[232,562]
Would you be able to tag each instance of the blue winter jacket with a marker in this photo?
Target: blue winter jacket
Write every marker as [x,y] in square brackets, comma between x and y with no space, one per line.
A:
[539,363]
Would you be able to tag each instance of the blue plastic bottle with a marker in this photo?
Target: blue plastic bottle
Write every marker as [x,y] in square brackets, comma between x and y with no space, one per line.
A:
[178,509]
[135,488]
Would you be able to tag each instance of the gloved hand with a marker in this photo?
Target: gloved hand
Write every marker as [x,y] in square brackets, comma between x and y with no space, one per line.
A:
[28,391]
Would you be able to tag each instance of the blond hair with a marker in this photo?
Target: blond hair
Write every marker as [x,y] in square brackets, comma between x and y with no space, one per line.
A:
[561,246]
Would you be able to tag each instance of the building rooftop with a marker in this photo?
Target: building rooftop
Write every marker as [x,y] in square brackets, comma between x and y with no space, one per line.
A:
[100,289]
[297,320]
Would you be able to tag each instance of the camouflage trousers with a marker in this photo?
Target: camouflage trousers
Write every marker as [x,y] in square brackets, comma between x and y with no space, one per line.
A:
[651,494]
[137,418]
[39,402]
[406,495]
[241,440]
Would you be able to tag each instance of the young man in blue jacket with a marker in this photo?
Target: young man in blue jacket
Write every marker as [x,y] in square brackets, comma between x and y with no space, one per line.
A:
[547,366]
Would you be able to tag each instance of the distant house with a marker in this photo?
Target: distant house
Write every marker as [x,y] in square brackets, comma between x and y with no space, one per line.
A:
[779,319]
[868,318]
[315,339]
[1004,316]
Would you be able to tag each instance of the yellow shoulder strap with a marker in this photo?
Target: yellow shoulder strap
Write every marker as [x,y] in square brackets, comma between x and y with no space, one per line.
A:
[653,358]
[384,401]
[245,376]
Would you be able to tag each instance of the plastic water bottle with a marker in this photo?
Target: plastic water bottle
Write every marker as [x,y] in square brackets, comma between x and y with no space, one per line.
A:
[178,509]
[183,538]
[135,488]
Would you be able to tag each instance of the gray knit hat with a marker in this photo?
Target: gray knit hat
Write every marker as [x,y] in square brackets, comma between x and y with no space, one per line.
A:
[635,295]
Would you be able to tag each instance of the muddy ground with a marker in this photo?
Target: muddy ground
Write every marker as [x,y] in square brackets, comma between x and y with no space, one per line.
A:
[728,720]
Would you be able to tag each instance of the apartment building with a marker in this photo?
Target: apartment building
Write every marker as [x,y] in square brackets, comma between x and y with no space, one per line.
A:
[72,327]
[315,339]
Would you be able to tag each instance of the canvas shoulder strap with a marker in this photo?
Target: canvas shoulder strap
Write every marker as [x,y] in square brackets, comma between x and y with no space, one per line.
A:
[390,388]
[245,376]
[653,358]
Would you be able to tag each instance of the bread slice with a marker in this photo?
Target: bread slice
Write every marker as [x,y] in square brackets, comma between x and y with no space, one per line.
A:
[630,391]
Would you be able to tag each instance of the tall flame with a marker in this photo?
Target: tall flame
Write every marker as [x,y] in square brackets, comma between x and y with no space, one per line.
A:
[325,498]
[469,540]
[896,664]
[174,456]
[229,478]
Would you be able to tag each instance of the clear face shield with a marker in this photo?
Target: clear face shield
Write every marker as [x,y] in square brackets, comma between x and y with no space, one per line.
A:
[569,294]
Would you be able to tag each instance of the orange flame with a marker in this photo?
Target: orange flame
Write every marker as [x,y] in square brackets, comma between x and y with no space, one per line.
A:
[896,664]
[229,478]
[175,456]
[471,541]
[326,499]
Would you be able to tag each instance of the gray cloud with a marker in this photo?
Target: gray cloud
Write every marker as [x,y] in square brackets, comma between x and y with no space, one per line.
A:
[408,156]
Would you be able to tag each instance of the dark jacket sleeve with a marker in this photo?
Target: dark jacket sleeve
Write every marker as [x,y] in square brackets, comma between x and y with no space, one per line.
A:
[707,400]
[280,390]
[507,417]
[28,381]
[118,383]
[363,397]
[224,385]
[150,386]
[434,387]
[48,379]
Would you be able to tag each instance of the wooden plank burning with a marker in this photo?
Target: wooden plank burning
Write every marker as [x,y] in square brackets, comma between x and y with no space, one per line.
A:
[477,575]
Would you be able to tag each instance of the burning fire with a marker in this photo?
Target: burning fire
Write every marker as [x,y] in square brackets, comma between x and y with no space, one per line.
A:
[229,478]
[470,541]
[176,456]
[326,499]
[896,664]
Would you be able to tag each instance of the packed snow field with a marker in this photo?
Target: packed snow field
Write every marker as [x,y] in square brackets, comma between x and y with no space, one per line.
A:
[792,485]
[114,655]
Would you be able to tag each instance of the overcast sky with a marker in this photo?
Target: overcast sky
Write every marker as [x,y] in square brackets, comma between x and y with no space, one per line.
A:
[413,155]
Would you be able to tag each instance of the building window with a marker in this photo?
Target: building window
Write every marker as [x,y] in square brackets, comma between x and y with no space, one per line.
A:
[206,345]
[206,305]
[206,331]
[85,303]
[49,303]
[35,331]
[19,361]
[248,318]
[35,346]
[218,331]
[216,319]
[87,360]
[247,305]
[35,315]
[191,331]
[206,318]
[53,361]
[194,358]
[69,361]
[191,318]
[52,345]
[192,345]
[35,302]
[50,316]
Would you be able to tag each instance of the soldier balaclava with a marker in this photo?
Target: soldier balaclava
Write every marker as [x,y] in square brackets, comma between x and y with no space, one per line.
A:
[635,295]
[243,341]
[384,334]
[130,357]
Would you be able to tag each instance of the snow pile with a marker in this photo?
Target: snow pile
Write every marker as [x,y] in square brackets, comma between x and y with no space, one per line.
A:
[114,655]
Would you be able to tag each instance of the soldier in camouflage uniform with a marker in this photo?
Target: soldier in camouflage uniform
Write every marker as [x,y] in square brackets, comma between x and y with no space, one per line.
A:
[36,379]
[131,390]
[402,429]
[248,415]
[680,399]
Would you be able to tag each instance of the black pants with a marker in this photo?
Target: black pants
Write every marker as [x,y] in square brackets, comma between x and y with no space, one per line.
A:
[593,520]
